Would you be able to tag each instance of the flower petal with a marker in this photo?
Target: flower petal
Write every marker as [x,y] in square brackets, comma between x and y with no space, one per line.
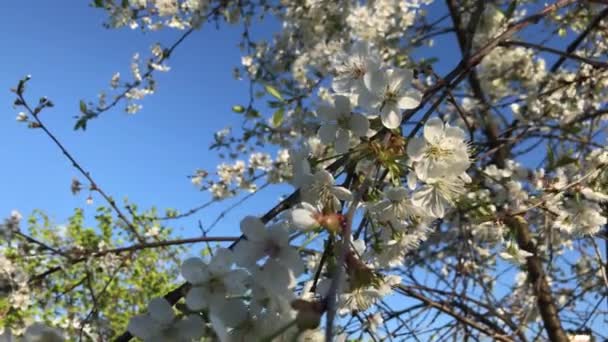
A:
[416,148]
[375,81]
[342,105]
[358,124]
[327,113]
[222,261]
[433,130]
[327,133]
[191,327]
[196,299]
[390,117]
[410,99]
[303,219]
[291,259]
[253,228]
[454,132]
[142,326]
[161,311]
[342,141]
[342,193]
[194,270]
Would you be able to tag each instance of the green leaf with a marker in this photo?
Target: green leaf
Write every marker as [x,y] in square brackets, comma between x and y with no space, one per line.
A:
[277,117]
[83,107]
[98,3]
[274,92]
[564,160]
[238,109]
[511,9]
[81,123]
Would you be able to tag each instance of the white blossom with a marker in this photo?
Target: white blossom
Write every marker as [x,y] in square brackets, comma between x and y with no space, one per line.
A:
[340,123]
[161,324]
[388,93]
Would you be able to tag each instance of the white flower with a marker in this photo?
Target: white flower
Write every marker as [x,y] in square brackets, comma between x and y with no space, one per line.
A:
[306,217]
[21,117]
[514,254]
[361,298]
[166,7]
[438,194]
[389,92]
[580,217]
[16,216]
[212,283]
[373,321]
[319,188]
[396,205]
[441,152]
[351,67]
[273,285]
[271,242]
[160,324]
[340,124]
[115,80]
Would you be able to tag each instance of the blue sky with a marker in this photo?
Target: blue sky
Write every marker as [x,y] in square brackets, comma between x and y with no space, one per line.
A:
[146,157]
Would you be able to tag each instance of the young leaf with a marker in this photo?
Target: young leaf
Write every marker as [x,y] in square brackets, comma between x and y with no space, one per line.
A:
[274,92]
[277,117]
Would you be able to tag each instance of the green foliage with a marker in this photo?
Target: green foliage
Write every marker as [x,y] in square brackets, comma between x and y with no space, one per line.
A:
[84,281]
[274,92]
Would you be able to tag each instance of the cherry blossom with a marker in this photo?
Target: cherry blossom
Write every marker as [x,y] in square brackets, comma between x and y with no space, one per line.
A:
[388,93]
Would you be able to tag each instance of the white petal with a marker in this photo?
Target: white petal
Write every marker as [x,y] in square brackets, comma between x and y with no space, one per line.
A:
[416,148]
[342,84]
[196,299]
[422,169]
[399,78]
[410,99]
[222,261]
[246,253]
[342,141]
[236,282]
[291,259]
[391,117]
[192,327]
[231,311]
[359,48]
[161,311]
[219,327]
[142,326]
[279,235]
[368,100]
[327,113]
[454,132]
[327,133]
[433,130]
[275,277]
[412,180]
[342,193]
[324,177]
[253,228]
[303,219]
[359,245]
[194,270]
[396,194]
[342,104]
[358,124]
[375,81]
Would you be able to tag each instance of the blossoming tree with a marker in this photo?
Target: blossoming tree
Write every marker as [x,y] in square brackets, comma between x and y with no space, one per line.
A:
[469,205]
